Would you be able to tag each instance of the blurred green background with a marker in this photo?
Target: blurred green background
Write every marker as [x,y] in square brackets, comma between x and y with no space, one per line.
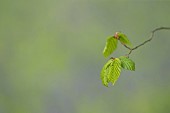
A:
[51,56]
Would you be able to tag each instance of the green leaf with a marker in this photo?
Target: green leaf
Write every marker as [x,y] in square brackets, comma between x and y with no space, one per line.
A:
[104,72]
[114,71]
[127,63]
[111,71]
[110,46]
[123,39]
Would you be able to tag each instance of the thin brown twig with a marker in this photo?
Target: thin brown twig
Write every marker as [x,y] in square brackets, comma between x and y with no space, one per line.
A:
[150,38]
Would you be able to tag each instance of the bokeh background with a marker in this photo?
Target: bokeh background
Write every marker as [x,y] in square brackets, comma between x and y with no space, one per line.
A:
[51,56]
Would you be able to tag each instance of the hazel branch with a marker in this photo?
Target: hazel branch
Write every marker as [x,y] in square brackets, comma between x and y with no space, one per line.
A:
[150,38]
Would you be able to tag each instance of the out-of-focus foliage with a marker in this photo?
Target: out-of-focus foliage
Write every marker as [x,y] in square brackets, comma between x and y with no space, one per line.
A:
[50,56]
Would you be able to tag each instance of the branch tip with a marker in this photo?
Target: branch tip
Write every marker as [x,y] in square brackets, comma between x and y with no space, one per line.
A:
[150,38]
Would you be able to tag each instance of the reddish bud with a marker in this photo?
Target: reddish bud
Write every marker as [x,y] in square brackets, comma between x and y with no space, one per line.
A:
[116,35]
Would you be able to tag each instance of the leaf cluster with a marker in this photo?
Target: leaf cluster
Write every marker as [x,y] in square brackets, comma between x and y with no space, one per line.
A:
[112,69]
[111,43]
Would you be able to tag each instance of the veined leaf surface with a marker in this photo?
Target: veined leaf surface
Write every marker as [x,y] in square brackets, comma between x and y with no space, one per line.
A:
[123,39]
[110,46]
[114,71]
[105,71]
[127,63]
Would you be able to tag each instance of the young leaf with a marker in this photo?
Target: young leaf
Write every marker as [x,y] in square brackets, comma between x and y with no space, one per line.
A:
[111,71]
[114,71]
[104,72]
[110,46]
[123,39]
[127,63]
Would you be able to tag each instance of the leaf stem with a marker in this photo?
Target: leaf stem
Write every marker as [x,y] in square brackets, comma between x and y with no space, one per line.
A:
[150,38]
